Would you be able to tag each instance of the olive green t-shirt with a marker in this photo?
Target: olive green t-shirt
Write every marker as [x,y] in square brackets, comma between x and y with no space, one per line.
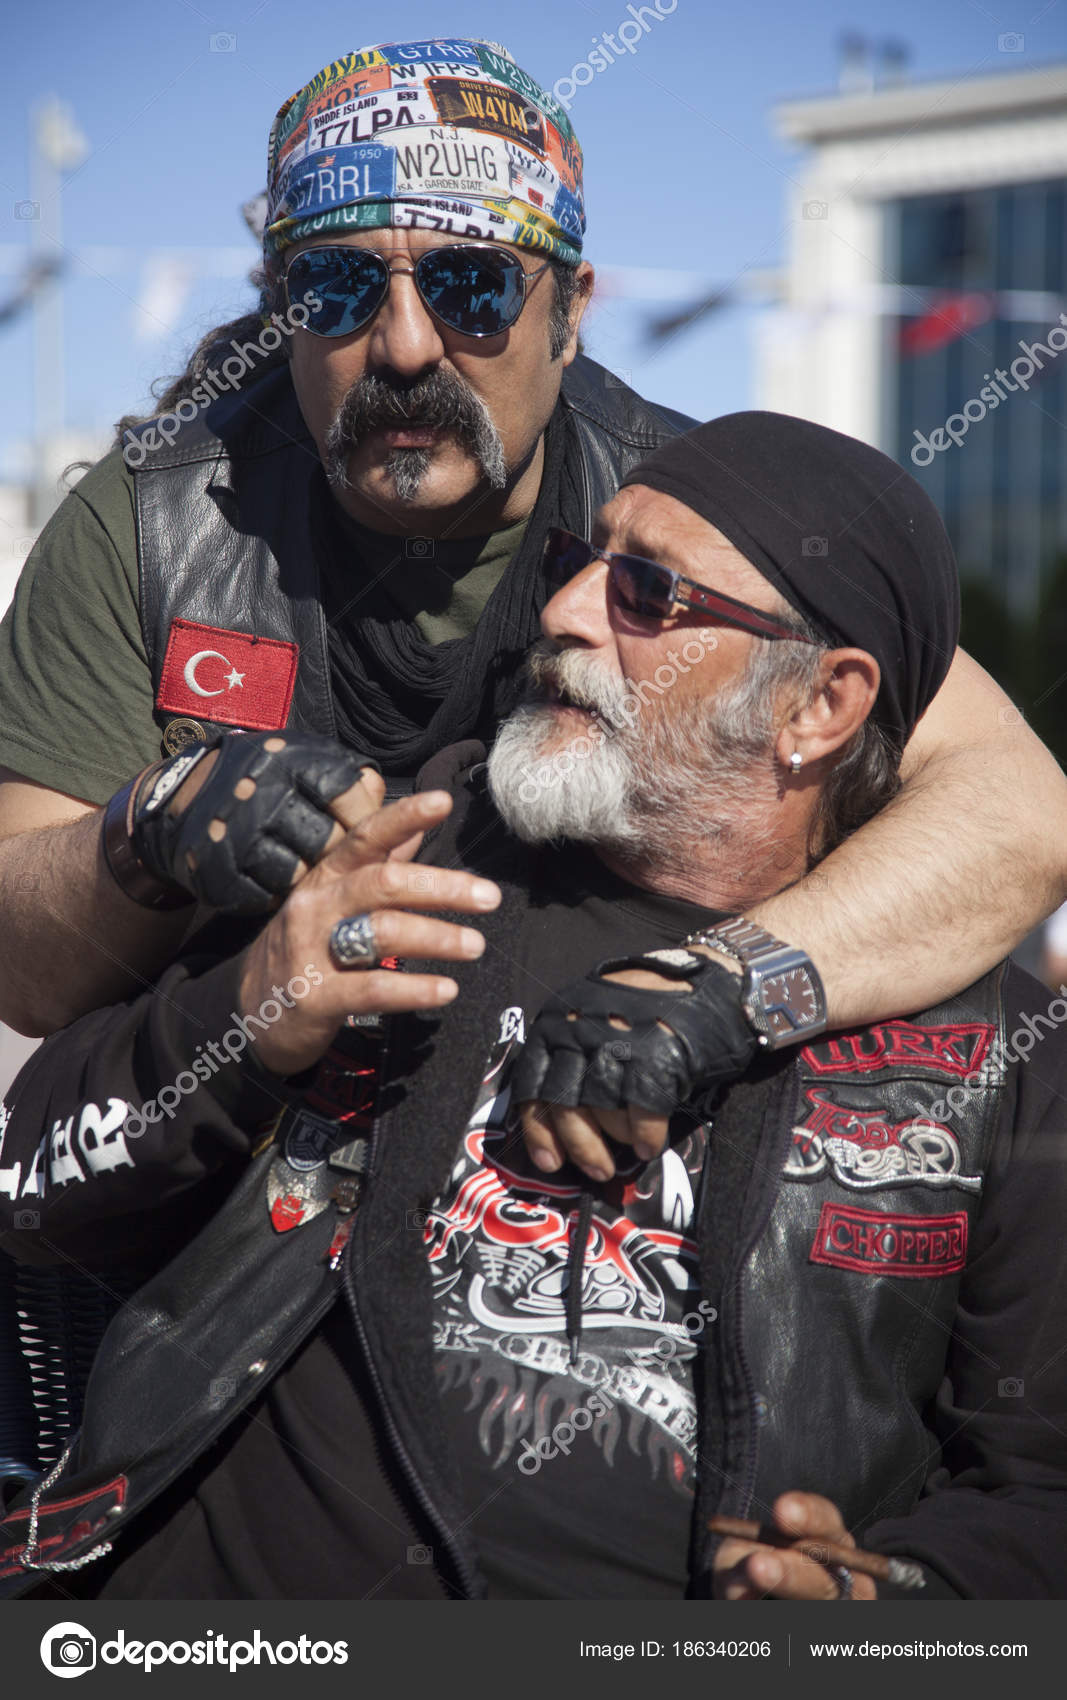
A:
[76,691]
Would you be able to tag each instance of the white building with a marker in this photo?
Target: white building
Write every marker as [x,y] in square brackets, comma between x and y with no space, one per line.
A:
[928,241]
[49,473]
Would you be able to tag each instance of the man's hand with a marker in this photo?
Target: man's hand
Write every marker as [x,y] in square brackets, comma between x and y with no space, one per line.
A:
[605,1056]
[368,872]
[238,826]
[747,1570]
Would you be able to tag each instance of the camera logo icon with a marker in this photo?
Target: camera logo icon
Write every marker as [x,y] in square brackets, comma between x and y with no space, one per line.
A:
[814,546]
[68,1649]
[816,209]
[420,1554]
[419,548]
[1010,1387]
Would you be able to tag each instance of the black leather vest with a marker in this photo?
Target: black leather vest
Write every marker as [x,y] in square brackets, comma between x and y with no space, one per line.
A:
[223,521]
[849,1294]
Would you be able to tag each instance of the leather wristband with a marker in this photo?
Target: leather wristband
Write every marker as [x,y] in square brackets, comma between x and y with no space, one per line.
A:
[128,871]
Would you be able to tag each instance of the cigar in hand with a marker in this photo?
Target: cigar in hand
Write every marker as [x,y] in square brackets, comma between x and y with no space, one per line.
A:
[899,1572]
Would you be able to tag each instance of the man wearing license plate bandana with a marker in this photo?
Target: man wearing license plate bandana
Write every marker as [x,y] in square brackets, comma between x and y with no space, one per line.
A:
[329,540]
[399,1352]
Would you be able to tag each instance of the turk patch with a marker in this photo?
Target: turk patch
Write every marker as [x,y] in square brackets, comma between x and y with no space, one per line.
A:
[957,1049]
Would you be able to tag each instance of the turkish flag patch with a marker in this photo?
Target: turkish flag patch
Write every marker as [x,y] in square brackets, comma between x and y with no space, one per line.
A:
[228,676]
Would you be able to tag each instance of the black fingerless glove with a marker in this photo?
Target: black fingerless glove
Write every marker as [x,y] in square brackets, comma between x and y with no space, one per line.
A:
[674,1044]
[251,861]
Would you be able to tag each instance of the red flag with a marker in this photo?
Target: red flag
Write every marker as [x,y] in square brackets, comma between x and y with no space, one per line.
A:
[228,676]
[950,317]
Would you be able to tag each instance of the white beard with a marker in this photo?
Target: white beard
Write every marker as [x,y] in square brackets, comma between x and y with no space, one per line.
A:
[660,789]
[582,791]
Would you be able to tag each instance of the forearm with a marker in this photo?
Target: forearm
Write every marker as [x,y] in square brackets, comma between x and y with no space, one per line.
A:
[112,1124]
[241,826]
[944,882]
[70,940]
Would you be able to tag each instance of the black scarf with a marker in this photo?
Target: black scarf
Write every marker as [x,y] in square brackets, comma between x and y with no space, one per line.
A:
[398,697]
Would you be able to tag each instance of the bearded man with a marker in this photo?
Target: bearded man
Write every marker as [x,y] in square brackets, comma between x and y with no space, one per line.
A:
[830,1302]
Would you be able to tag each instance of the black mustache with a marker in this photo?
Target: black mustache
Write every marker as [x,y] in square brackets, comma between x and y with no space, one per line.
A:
[441,400]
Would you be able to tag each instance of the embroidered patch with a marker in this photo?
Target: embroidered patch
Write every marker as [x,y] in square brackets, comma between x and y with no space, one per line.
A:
[957,1050]
[95,1507]
[231,677]
[861,1149]
[889,1243]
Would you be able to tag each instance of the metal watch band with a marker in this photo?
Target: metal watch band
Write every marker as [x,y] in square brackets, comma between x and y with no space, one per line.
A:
[764,958]
[125,866]
[742,939]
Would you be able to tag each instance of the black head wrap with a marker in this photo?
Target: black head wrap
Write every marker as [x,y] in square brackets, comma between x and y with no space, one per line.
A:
[843,532]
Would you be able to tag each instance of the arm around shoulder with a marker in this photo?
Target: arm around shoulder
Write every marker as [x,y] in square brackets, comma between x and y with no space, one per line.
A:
[947,879]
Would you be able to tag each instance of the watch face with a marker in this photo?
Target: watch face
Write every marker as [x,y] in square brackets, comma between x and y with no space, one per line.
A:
[789,1001]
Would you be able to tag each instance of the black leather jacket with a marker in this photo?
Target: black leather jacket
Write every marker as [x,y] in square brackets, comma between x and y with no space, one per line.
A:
[877,1311]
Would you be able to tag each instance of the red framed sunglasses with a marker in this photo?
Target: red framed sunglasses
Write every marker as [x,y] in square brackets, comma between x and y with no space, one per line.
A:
[651,589]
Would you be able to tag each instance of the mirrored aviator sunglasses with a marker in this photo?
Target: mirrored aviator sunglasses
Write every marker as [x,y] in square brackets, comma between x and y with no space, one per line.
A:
[474,289]
[650,589]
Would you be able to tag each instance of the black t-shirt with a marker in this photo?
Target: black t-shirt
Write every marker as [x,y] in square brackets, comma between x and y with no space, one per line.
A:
[577,1457]
[298,1501]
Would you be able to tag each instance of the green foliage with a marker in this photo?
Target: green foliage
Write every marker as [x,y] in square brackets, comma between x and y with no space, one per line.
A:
[1026,655]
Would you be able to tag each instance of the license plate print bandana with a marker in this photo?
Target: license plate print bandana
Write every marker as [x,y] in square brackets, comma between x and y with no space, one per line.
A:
[445,135]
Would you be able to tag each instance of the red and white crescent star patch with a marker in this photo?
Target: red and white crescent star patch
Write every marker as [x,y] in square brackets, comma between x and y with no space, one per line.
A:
[228,676]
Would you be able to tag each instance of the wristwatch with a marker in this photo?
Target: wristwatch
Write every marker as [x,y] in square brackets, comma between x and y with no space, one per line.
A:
[781,992]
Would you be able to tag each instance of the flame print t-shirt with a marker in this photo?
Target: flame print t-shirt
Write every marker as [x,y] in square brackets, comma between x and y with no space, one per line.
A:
[578,1464]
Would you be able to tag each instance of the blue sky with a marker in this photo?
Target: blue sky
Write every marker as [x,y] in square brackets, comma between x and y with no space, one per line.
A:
[683,170]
